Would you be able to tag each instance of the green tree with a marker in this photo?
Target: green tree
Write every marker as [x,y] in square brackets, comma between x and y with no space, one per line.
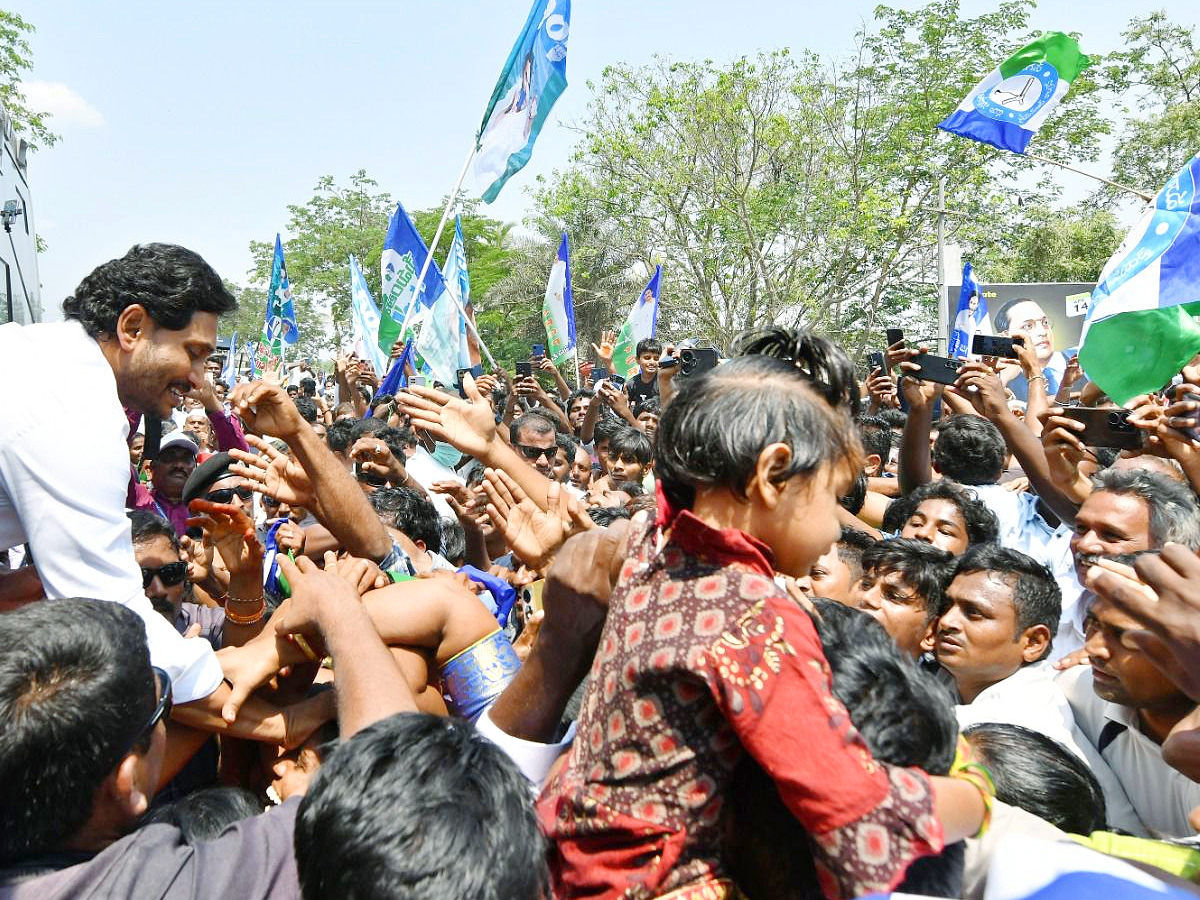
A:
[1158,75]
[799,190]
[1053,245]
[16,57]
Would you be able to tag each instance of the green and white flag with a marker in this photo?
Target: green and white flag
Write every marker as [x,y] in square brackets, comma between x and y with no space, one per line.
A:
[1140,331]
[1008,107]
[641,323]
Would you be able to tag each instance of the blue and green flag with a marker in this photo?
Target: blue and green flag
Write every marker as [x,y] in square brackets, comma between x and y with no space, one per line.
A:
[533,77]
[1008,107]
[279,322]
[1140,331]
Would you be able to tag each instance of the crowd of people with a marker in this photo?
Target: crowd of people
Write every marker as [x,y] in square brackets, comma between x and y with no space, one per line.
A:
[771,628]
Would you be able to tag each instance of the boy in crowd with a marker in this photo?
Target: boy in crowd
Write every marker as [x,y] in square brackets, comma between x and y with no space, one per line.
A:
[645,384]
[901,588]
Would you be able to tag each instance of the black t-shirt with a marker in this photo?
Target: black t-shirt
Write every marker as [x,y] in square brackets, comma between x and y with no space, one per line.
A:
[637,390]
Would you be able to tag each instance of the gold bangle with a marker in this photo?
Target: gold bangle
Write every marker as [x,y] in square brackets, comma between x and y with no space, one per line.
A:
[250,619]
[305,648]
[1032,378]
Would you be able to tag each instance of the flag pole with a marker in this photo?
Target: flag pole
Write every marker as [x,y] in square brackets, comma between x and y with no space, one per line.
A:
[1120,187]
[429,260]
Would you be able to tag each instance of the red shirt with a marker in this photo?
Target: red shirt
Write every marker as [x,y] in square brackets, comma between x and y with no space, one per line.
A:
[704,658]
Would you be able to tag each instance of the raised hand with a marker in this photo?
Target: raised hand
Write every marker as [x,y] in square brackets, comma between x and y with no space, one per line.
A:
[533,534]
[274,473]
[267,409]
[468,425]
[316,594]
[375,457]
[608,343]
[981,387]
[230,530]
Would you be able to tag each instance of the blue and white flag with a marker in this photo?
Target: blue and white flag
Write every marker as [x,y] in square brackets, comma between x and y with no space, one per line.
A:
[1140,328]
[396,378]
[229,373]
[533,77]
[641,323]
[558,308]
[279,323]
[458,283]
[971,317]
[438,343]
[364,318]
[403,256]
[1008,107]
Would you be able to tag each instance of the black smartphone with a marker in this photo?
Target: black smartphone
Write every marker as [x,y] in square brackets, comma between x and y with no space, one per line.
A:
[876,362]
[697,360]
[539,350]
[993,345]
[939,369]
[894,336]
[524,369]
[1106,428]
[618,380]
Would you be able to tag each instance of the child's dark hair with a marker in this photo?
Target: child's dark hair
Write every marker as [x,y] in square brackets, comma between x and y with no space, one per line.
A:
[712,433]
[648,345]
[629,443]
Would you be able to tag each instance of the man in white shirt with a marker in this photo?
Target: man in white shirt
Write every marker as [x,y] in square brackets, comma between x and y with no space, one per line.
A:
[1129,510]
[994,640]
[1126,708]
[138,331]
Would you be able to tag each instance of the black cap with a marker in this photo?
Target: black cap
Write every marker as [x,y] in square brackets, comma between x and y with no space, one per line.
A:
[211,470]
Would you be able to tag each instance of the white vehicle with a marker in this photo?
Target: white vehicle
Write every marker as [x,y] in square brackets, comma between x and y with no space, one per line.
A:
[20,297]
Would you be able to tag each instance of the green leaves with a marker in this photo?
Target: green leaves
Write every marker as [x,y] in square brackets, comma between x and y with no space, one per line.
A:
[16,57]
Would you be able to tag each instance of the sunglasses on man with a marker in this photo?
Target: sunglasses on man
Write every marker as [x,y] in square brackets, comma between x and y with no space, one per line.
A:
[170,575]
[162,709]
[226,495]
[532,453]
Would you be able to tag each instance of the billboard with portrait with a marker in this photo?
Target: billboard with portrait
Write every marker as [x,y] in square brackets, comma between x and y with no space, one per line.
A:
[1050,313]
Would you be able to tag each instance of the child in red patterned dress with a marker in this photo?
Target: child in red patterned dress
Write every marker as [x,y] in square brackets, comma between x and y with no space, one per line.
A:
[705,658]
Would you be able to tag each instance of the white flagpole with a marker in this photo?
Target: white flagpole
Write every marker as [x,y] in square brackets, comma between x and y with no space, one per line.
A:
[578,380]
[429,259]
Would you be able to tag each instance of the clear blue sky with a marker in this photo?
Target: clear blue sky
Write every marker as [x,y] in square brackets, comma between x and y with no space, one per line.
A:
[199,123]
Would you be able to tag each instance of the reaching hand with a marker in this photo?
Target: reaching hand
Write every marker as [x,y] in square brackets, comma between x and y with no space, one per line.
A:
[1163,595]
[207,395]
[1063,448]
[272,371]
[274,474]
[317,595]
[230,530]
[881,386]
[267,409]
[199,557]
[468,425]
[981,387]
[533,534]
[362,573]
[608,343]
[919,394]
[375,457]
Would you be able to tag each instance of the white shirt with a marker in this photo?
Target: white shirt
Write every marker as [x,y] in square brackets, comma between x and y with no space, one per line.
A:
[1031,698]
[1022,527]
[533,759]
[63,485]
[1161,796]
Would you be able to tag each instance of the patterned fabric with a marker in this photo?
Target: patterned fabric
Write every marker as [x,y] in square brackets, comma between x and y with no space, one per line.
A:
[476,676]
[702,659]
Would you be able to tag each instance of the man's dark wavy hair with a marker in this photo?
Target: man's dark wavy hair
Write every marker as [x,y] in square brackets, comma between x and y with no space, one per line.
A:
[171,283]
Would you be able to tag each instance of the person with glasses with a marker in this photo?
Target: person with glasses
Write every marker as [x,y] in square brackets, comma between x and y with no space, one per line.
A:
[1026,318]
[533,436]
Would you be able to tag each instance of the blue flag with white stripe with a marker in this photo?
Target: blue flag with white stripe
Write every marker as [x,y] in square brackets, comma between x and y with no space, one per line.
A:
[404,254]
[971,317]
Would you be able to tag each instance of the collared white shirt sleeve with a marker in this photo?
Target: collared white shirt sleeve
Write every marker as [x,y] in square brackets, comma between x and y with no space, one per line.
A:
[63,491]
[533,759]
